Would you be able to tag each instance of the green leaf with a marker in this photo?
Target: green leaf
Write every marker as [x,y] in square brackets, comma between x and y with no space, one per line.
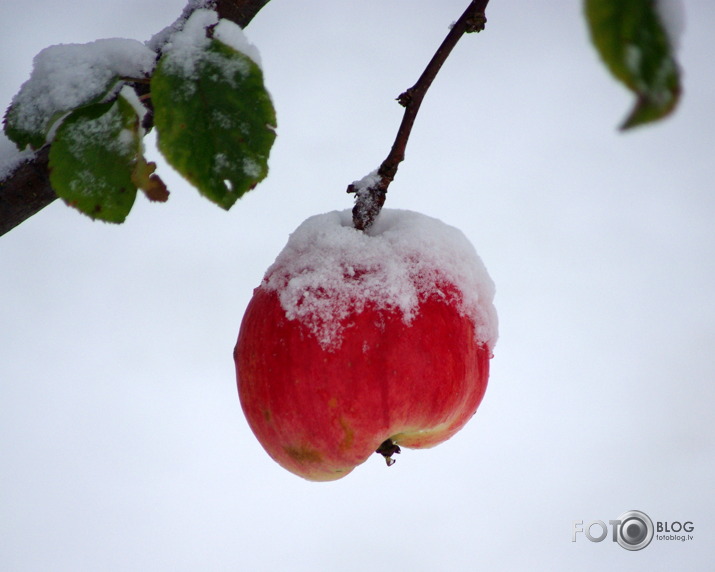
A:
[633,43]
[27,123]
[66,77]
[93,158]
[215,120]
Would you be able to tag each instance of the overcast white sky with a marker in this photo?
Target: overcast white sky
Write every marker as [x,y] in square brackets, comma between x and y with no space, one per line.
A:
[122,442]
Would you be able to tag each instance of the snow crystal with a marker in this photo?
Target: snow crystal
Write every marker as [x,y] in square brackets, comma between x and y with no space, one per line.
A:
[11,157]
[131,97]
[186,49]
[329,269]
[87,133]
[632,57]
[158,41]
[370,180]
[221,163]
[251,168]
[69,75]
[232,35]
[222,119]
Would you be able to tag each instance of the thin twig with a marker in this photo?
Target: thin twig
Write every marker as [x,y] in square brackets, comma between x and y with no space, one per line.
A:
[26,191]
[370,193]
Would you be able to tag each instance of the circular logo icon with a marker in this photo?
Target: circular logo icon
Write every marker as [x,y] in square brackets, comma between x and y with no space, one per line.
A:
[635,531]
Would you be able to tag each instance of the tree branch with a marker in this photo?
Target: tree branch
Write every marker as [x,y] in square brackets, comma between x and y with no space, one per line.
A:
[26,190]
[239,12]
[371,191]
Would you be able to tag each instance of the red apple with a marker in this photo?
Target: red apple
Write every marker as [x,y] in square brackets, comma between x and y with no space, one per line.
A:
[357,341]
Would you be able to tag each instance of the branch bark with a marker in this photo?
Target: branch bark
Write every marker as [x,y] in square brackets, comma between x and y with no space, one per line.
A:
[27,190]
[370,193]
[240,12]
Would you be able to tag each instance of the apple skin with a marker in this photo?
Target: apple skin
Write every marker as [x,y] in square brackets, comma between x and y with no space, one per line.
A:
[321,412]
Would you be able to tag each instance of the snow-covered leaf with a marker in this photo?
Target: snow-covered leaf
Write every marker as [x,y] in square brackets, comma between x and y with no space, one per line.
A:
[634,44]
[69,76]
[214,118]
[93,159]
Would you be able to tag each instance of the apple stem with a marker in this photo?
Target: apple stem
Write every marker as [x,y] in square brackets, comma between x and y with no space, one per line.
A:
[369,201]
[387,449]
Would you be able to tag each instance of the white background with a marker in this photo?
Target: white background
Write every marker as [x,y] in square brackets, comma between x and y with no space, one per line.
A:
[122,442]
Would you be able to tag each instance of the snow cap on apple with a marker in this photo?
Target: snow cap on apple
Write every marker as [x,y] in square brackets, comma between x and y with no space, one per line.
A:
[357,342]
